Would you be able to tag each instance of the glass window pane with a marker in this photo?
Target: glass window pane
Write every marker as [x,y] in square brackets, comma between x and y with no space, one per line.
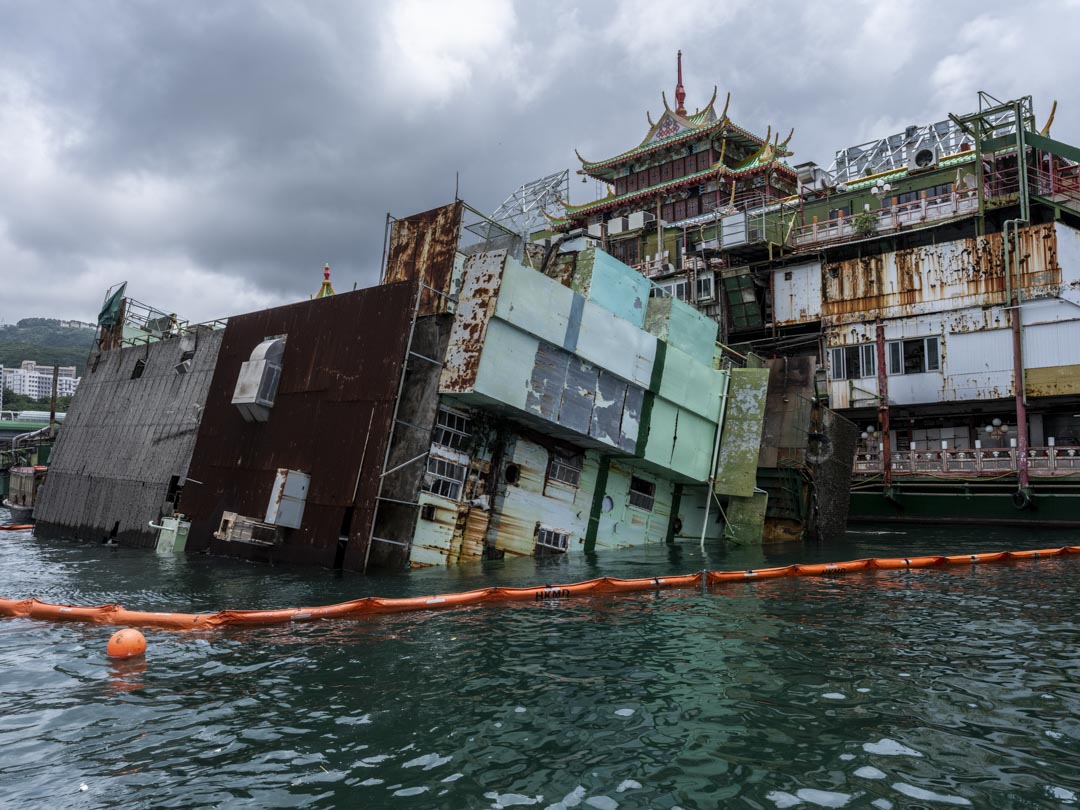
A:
[836,364]
[895,354]
[933,361]
[869,360]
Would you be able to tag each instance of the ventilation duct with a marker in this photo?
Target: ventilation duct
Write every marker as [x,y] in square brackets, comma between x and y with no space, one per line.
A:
[257,385]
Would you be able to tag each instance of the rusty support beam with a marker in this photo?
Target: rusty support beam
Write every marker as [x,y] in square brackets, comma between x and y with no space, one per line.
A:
[883,404]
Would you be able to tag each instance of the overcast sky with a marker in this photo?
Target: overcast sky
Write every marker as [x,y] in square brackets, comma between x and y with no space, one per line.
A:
[215,155]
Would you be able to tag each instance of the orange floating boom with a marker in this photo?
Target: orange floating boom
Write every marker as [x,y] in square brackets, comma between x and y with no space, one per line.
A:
[370,605]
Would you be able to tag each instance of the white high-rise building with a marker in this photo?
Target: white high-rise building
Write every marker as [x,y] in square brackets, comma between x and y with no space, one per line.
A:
[33,380]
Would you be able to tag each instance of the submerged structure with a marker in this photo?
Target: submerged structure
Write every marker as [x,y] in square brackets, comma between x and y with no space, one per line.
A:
[490,397]
[925,285]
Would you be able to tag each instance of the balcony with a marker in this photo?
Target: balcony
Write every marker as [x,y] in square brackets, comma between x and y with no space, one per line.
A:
[903,216]
[1043,462]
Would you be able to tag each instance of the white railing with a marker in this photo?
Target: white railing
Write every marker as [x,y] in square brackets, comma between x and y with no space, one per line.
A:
[1043,462]
[902,215]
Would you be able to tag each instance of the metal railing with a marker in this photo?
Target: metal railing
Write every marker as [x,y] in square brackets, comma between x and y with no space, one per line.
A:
[896,217]
[1043,462]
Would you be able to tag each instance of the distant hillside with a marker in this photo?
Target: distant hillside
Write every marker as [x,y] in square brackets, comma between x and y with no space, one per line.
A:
[47,342]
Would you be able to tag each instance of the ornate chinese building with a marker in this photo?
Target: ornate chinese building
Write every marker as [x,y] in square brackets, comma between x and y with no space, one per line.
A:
[687,165]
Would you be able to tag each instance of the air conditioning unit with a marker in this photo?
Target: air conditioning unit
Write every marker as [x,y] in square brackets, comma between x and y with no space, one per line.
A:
[639,219]
[923,157]
[617,225]
[596,230]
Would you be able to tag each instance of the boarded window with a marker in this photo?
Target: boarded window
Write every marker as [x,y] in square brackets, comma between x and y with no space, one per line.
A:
[620,185]
[667,213]
[642,493]
[665,172]
[654,175]
[678,168]
[680,210]
[692,209]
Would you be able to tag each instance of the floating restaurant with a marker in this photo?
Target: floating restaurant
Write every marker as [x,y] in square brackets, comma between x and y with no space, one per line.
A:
[723,346]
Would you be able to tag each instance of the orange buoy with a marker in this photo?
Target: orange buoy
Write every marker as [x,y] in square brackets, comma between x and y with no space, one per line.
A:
[126,643]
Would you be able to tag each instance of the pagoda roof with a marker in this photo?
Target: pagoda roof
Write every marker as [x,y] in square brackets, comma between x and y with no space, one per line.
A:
[751,166]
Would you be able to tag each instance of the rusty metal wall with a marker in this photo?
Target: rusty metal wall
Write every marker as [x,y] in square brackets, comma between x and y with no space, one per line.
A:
[937,278]
[331,419]
[423,247]
[123,440]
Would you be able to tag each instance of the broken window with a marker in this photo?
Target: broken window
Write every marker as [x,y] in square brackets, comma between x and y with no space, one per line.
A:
[642,493]
[445,478]
[551,540]
[565,468]
[914,356]
[140,366]
[452,429]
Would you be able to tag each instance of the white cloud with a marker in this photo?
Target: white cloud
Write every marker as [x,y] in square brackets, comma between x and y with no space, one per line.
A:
[430,51]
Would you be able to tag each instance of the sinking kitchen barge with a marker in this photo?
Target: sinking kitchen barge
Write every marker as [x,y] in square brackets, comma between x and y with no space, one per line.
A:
[484,400]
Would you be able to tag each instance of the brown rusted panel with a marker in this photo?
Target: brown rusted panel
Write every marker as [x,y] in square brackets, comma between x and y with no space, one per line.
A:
[480,286]
[423,247]
[331,419]
[914,281]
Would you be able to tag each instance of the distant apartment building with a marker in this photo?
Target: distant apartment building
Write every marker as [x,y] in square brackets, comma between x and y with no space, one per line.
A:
[33,380]
[77,325]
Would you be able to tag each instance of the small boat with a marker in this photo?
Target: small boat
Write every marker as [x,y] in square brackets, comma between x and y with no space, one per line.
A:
[23,486]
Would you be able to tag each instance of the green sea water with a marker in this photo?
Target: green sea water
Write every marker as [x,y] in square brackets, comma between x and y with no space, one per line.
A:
[903,689]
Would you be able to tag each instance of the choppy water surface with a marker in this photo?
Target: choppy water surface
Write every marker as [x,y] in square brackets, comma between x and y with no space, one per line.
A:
[917,689]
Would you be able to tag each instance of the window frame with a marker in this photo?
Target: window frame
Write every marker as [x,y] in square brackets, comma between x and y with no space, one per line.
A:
[446,434]
[443,483]
[646,493]
[897,358]
[551,540]
[564,466]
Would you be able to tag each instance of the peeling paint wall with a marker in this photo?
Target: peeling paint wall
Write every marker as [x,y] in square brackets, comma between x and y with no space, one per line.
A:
[937,278]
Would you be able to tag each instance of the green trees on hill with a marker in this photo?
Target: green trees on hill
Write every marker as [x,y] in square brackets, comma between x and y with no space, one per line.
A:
[45,341]
[21,402]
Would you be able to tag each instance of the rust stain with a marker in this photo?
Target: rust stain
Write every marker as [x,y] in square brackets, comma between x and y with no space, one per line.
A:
[911,281]
[479,292]
[422,247]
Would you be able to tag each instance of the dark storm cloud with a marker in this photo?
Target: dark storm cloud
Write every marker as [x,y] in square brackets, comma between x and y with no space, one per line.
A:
[217,154]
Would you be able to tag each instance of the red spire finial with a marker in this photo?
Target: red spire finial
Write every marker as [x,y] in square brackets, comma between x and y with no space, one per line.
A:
[680,93]
[326,272]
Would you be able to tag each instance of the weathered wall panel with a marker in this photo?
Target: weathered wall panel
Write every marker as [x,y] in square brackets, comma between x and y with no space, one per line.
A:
[741,438]
[937,278]
[797,294]
[331,419]
[123,441]
[423,247]
[682,327]
[611,285]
